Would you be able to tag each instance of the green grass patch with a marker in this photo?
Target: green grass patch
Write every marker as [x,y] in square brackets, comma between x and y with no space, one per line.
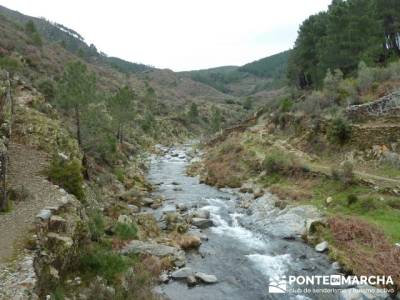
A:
[125,231]
[368,205]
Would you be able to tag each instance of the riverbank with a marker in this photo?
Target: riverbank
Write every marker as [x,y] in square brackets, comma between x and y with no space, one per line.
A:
[249,242]
[360,216]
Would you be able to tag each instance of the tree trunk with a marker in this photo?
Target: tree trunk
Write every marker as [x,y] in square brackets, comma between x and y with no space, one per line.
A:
[78,126]
[121,134]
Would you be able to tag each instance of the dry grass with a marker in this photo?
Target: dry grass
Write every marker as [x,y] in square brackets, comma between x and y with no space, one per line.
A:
[286,193]
[230,164]
[365,248]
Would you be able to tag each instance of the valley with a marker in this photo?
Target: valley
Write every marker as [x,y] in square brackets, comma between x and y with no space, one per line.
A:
[120,180]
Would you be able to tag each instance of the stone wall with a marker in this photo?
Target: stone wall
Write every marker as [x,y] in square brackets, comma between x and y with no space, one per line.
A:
[364,137]
[61,231]
[387,106]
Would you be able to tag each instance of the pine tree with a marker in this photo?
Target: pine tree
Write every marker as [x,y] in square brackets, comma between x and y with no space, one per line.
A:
[76,91]
[121,108]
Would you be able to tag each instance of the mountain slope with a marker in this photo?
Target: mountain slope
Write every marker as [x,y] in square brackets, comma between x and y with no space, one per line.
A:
[262,75]
[45,61]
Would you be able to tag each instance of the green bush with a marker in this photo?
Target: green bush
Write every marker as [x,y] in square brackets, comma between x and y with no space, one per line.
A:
[351,199]
[339,131]
[274,163]
[394,203]
[48,89]
[103,262]
[68,175]
[286,105]
[369,204]
[96,225]
[9,64]
[125,231]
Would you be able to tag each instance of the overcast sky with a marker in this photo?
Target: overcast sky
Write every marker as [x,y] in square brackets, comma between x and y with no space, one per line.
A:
[180,34]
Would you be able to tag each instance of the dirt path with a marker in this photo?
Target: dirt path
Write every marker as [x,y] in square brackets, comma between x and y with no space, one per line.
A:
[326,169]
[25,170]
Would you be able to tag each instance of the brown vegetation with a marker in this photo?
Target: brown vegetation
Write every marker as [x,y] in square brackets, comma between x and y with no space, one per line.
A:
[366,249]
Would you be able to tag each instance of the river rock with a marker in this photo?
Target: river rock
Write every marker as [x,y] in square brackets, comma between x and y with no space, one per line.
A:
[133,208]
[181,207]
[202,213]
[182,273]
[44,214]
[147,201]
[206,278]
[291,221]
[163,278]
[321,247]
[191,280]
[187,242]
[336,266]
[159,250]
[258,193]
[169,209]
[202,223]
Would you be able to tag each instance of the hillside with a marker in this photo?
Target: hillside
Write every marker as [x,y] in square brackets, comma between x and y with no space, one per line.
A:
[259,76]
[41,62]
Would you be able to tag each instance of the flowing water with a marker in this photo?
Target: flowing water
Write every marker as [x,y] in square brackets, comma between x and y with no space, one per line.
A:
[242,258]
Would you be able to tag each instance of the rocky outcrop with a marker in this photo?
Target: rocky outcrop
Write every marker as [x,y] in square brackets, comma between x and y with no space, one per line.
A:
[176,255]
[289,222]
[61,232]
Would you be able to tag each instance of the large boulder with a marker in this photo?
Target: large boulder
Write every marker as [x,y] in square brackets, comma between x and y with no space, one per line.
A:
[206,278]
[138,247]
[187,241]
[202,223]
[182,273]
[201,213]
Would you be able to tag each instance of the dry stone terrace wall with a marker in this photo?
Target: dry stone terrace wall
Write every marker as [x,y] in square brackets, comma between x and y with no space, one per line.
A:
[6,109]
[387,106]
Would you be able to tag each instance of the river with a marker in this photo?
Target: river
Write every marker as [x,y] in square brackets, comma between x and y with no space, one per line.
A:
[243,257]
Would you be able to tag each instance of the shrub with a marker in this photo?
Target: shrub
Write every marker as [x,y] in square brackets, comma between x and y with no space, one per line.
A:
[312,104]
[47,88]
[103,262]
[125,231]
[96,225]
[394,203]
[369,204]
[339,131]
[344,174]
[273,165]
[348,173]
[351,199]
[332,83]
[286,105]
[9,64]
[67,174]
